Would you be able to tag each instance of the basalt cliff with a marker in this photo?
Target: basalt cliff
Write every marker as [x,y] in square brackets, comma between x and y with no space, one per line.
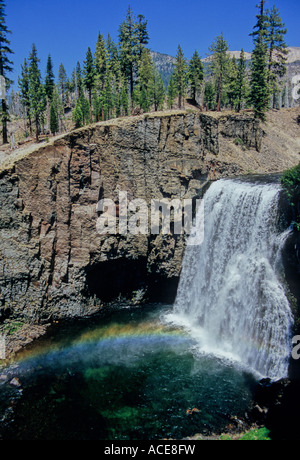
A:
[53,262]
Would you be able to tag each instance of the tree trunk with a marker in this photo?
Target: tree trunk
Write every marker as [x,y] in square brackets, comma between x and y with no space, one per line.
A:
[219,95]
[131,89]
[4,122]
[37,130]
[219,101]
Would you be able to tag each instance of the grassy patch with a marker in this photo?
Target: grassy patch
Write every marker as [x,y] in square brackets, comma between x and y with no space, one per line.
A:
[258,434]
[261,434]
[10,327]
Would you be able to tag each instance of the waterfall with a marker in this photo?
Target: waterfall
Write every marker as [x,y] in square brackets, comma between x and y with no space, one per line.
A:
[230,294]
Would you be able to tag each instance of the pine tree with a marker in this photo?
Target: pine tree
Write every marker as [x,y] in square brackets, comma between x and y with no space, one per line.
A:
[157,89]
[72,86]
[143,91]
[37,94]
[209,96]
[62,83]
[89,74]
[123,100]
[108,100]
[260,89]
[79,80]
[78,115]
[228,96]
[219,66]
[49,79]
[195,76]
[277,50]
[129,48]
[81,113]
[86,110]
[23,82]
[171,91]
[5,67]
[100,62]
[180,74]
[142,34]
[240,83]
[113,57]
[56,112]
[54,125]
[114,65]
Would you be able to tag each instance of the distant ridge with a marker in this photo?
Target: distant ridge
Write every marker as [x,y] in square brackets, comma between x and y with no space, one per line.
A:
[165,63]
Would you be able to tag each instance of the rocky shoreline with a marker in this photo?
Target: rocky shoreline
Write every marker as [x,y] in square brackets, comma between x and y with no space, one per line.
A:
[18,340]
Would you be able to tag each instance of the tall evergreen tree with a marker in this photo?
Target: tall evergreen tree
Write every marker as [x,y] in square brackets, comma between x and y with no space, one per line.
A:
[78,115]
[144,85]
[195,76]
[108,98]
[228,96]
[5,67]
[37,94]
[113,56]
[79,80]
[100,62]
[180,74]
[89,74]
[171,91]
[56,113]
[158,89]
[240,84]
[123,99]
[49,79]
[62,83]
[54,124]
[260,89]
[114,64]
[219,66]
[129,48]
[209,95]
[142,34]
[49,88]
[23,82]
[81,113]
[277,50]
[72,86]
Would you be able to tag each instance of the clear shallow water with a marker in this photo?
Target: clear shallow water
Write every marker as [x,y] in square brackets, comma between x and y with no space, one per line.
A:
[130,376]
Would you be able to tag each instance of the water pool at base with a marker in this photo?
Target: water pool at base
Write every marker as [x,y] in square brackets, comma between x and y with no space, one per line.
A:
[129,376]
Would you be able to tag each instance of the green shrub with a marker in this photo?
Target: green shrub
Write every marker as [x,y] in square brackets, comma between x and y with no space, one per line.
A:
[261,434]
[291,184]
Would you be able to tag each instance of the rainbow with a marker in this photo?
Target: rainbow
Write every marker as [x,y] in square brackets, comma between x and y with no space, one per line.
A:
[106,337]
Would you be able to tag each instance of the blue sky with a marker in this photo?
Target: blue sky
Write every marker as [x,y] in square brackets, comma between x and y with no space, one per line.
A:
[66,28]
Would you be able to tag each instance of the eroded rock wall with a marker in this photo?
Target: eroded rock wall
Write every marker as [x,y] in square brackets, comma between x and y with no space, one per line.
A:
[53,263]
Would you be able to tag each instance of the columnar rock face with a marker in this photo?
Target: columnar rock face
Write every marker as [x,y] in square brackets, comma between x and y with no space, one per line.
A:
[54,263]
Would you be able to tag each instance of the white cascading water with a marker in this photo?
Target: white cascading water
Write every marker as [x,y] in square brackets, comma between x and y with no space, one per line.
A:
[230,296]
